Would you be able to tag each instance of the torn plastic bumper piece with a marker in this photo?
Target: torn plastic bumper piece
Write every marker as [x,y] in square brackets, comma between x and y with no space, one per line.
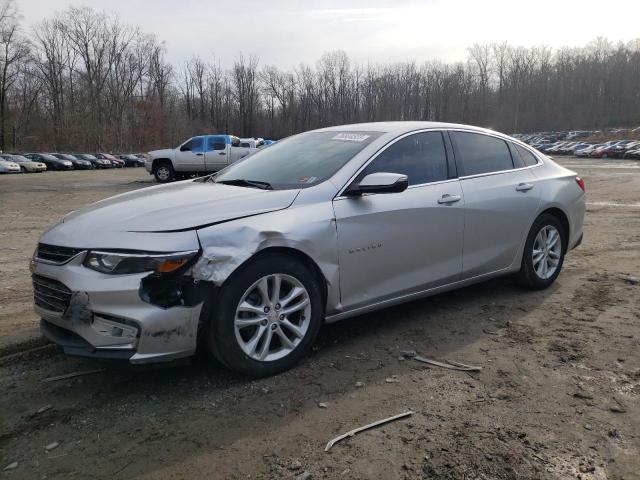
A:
[74,344]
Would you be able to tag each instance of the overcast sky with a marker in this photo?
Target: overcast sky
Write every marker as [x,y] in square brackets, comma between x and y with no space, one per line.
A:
[287,32]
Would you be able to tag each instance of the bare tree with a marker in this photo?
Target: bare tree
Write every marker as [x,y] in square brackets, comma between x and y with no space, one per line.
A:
[14,51]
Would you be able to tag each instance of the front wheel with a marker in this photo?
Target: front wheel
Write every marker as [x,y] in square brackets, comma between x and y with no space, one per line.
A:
[543,253]
[163,172]
[266,317]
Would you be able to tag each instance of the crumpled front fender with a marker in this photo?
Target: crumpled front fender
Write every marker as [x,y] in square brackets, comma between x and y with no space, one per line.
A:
[309,229]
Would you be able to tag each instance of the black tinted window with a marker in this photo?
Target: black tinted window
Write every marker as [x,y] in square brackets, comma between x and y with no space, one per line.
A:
[197,144]
[482,153]
[216,143]
[420,156]
[527,157]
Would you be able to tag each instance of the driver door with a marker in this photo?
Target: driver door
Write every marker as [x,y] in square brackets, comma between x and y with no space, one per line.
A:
[394,244]
[190,155]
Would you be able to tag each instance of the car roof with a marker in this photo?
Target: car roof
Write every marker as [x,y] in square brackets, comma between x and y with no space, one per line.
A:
[400,127]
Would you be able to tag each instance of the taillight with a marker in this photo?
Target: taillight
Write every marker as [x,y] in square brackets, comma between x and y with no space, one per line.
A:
[580,183]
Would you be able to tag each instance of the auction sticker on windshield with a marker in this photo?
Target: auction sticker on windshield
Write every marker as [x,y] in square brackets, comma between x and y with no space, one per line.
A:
[351,137]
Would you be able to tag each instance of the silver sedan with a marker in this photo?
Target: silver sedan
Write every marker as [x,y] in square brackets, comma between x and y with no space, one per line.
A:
[325,225]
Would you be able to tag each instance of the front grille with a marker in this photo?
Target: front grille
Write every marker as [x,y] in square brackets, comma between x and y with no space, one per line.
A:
[53,253]
[50,294]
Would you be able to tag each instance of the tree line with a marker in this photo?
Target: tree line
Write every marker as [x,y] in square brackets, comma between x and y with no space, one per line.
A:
[84,80]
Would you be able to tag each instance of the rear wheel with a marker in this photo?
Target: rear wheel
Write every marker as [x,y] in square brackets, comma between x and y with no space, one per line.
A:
[267,316]
[163,172]
[543,253]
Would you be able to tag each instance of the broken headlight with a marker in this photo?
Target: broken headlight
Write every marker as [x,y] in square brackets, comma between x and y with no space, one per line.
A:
[119,263]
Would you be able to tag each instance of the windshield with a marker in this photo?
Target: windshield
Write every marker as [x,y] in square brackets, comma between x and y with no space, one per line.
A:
[48,157]
[17,158]
[300,161]
[87,156]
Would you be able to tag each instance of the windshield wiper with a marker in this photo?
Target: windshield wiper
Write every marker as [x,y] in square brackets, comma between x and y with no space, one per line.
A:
[241,182]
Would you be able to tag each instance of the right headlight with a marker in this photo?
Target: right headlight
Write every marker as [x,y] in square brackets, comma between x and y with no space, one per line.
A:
[119,263]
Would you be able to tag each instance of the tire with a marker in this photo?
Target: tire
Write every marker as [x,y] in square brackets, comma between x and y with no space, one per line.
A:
[535,276]
[163,172]
[231,345]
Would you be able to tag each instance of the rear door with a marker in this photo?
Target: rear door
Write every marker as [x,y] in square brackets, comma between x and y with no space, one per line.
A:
[399,243]
[190,156]
[216,153]
[501,200]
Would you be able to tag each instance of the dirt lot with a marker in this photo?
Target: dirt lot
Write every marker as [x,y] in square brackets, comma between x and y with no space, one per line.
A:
[558,396]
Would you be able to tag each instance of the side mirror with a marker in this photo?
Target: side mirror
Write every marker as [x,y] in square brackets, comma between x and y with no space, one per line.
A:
[381,182]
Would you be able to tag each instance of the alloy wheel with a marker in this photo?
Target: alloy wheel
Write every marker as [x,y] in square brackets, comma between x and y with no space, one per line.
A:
[547,249]
[163,173]
[272,317]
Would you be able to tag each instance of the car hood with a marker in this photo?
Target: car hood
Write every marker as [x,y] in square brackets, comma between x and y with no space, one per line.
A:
[176,207]
[164,153]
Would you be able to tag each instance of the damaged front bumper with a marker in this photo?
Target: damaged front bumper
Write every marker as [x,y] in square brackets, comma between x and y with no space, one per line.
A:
[92,314]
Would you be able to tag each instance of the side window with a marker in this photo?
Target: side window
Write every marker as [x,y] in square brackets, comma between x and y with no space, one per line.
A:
[186,147]
[216,143]
[482,153]
[197,144]
[420,156]
[527,157]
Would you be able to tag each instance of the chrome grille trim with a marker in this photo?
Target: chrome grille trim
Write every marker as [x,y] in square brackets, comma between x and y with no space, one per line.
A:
[56,254]
[50,294]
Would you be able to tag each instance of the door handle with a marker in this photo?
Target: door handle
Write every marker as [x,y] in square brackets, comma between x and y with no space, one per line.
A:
[222,153]
[524,187]
[447,199]
[199,154]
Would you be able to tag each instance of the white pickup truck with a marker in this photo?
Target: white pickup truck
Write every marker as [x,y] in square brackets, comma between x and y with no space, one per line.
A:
[198,155]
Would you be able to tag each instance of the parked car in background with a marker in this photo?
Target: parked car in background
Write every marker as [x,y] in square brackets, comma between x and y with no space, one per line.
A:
[249,143]
[570,150]
[96,162]
[26,165]
[50,161]
[322,226]
[586,151]
[7,166]
[131,160]
[116,162]
[605,151]
[632,154]
[78,163]
[198,155]
[622,147]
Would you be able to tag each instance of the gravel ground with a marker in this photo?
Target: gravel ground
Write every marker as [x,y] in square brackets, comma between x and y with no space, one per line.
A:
[558,395]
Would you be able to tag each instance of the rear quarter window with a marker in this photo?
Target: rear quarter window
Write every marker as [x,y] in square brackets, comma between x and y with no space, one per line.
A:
[526,156]
[481,153]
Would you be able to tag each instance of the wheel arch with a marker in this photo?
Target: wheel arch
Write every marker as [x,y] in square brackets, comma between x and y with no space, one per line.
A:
[562,217]
[300,256]
[159,161]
